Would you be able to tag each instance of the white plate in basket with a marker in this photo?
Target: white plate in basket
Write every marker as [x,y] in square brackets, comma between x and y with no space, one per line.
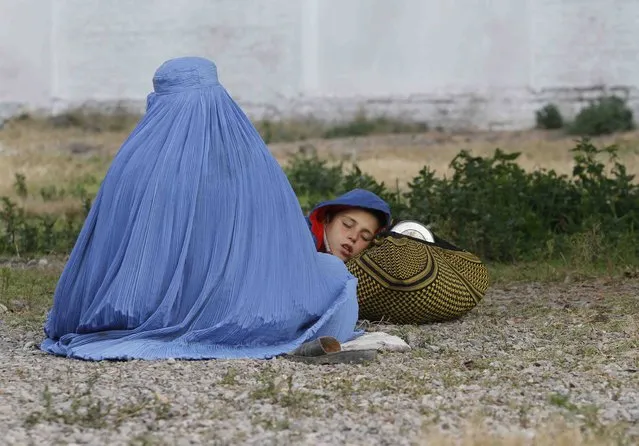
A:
[413,229]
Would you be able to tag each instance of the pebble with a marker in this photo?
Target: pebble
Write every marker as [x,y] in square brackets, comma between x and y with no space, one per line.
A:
[394,400]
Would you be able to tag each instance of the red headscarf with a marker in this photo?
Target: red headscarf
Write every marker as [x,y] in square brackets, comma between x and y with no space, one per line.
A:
[318,223]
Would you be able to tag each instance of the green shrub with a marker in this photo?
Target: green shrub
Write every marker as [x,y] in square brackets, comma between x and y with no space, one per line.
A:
[604,116]
[490,206]
[362,125]
[549,118]
[312,179]
[97,120]
[24,234]
[289,130]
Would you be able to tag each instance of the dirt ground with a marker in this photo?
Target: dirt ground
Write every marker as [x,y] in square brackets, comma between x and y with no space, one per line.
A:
[533,363]
[555,362]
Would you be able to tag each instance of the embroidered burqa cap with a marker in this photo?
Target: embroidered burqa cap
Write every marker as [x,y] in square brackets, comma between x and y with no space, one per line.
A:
[196,246]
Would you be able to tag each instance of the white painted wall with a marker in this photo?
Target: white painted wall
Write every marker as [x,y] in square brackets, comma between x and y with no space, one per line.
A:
[25,54]
[108,50]
[482,63]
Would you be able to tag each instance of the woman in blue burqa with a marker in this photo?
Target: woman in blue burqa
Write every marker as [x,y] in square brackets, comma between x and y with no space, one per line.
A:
[196,246]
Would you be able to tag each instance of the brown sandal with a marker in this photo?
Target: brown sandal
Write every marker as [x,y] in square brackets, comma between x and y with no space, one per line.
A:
[327,350]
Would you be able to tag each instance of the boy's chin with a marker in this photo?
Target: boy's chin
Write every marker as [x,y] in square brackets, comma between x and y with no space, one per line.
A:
[342,257]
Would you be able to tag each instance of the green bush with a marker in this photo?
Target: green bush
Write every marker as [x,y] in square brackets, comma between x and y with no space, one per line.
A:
[489,206]
[549,118]
[604,116]
[492,207]
[314,181]
[362,125]
[273,131]
[97,120]
[24,234]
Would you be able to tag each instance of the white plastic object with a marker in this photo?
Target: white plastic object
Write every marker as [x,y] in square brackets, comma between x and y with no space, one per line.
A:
[414,229]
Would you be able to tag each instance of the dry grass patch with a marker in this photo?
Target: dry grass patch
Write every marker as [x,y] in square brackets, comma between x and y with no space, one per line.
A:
[398,158]
[57,155]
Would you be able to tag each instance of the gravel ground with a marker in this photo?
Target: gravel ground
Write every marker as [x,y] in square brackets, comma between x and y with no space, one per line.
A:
[529,359]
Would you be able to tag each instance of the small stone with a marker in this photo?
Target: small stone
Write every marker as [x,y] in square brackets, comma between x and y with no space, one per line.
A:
[3,308]
[468,364]
[29,345]
[43,262]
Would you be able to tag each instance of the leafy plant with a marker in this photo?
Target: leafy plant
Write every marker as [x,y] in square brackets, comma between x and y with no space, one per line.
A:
[604,116]
[489,205]
[549,117]
[362,125]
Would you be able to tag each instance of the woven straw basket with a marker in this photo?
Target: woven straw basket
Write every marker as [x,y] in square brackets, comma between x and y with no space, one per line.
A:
[405,280]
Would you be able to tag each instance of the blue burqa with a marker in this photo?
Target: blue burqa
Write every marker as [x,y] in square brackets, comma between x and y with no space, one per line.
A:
[196,246]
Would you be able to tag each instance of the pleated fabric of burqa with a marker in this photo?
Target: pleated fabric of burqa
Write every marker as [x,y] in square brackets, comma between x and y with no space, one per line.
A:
[196,246]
